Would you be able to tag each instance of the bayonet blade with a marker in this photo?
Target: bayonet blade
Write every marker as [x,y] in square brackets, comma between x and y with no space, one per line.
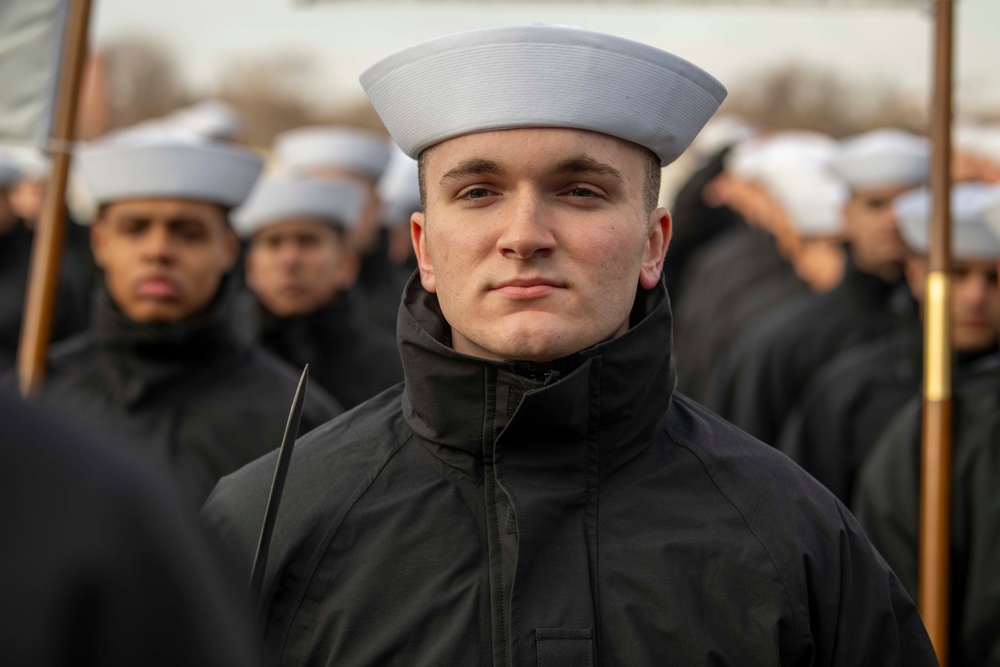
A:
[277,486]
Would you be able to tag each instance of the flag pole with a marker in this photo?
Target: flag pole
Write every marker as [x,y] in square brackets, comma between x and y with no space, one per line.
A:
[50,234]
[935,496]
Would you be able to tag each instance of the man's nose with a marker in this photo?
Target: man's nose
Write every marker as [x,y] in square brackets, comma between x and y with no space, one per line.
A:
[289,254]
[975,290]
[158,245]
[527,230]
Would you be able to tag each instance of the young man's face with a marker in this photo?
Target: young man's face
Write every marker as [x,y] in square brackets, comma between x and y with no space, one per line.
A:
[871,226]
[975,301]
[535,240]
[363,236]
[298,265]
[163,259]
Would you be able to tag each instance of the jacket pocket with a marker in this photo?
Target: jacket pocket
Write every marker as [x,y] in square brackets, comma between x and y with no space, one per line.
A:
[564,647]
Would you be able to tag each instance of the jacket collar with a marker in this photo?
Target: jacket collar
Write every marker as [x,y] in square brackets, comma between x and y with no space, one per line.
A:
[614,394]
[142,357]
[333,324]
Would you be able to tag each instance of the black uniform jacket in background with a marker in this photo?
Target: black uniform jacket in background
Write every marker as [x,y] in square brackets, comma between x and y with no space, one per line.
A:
[76,280]
[847,404]
[732,282]
[350,358]
[586,515]
[774,363]
[195,397]
[886,499]
[99,566]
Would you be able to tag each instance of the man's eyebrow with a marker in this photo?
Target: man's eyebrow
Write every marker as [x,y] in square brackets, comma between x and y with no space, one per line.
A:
[474,167]
[584,164]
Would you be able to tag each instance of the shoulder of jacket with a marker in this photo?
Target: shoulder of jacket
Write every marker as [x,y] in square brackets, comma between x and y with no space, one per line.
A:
[773,494]
[331,468]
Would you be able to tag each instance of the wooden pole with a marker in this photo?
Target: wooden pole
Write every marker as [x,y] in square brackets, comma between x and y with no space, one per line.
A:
[935,496]
[50,235]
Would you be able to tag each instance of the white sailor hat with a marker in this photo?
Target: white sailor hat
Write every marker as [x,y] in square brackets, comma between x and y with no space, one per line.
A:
[541,76]
[171,165]
[971,236]
[347,148]
[991,211]
[31,163]
[211,119]
[274,199]
[720,132]
[812,198]
[752,158]
[883,158]
[399,188]
[10,168]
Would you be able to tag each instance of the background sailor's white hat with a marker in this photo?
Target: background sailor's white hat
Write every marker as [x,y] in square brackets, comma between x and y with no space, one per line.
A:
[884,157]
[971,236]
[167,163]
[352,149]
[280,198]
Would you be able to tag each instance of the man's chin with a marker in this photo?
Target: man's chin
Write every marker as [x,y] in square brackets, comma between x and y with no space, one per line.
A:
[152,311]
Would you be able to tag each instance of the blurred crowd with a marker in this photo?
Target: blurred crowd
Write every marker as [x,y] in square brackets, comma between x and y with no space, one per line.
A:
[199,277]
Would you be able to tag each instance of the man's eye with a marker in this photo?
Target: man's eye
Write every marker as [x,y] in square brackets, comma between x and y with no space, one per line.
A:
[132,227]
[476,193]
[581,192]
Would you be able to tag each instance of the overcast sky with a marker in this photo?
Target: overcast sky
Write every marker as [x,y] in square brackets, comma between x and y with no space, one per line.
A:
[873,45]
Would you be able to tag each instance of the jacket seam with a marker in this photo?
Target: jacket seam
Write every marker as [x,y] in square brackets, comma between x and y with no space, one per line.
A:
[708,471]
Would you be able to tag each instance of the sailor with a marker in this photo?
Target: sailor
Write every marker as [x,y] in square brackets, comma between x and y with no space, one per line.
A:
[167,366]
[849,402]
[748,272]
[23,172]
[300,268]
[338,152]
[776,358]
[535,493]
[887,492]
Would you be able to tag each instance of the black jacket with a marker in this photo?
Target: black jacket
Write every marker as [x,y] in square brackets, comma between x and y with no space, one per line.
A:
[195,397]
[848,403]
[887,494]
[99,565]
[732,283]
[76,279]
[483,514]
[350,358]
[771,366]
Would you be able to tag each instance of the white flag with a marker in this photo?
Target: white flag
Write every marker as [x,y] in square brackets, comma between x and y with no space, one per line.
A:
[31,34]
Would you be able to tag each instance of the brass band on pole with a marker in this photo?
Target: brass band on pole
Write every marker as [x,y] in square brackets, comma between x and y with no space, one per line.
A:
[50,235]
[935,497]
[937,334]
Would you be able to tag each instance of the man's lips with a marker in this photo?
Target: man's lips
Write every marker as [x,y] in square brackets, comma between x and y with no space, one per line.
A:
[158,288]
[530,288]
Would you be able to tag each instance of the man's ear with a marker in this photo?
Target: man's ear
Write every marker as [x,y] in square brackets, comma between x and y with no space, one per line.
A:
[419,235]
[656,248]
